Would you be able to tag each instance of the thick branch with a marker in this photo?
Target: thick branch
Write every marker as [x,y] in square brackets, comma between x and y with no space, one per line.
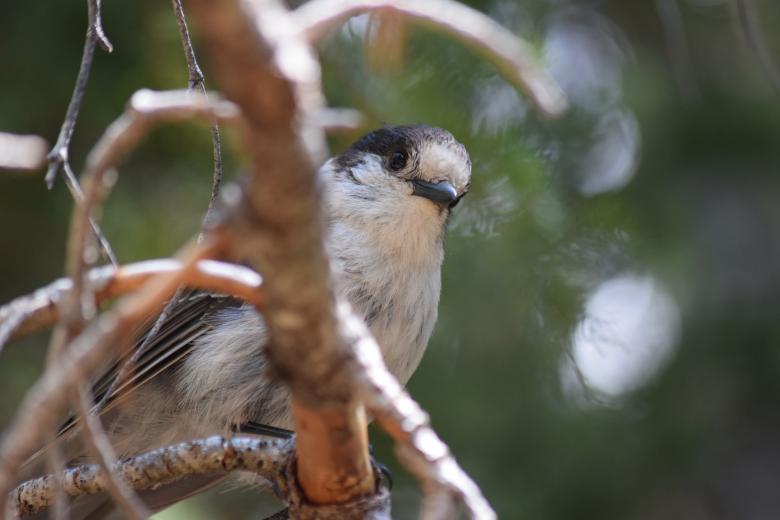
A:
[163,466]
[512,56]
[262,64]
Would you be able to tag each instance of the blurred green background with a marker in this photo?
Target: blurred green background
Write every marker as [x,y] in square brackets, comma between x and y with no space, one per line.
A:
[608,344]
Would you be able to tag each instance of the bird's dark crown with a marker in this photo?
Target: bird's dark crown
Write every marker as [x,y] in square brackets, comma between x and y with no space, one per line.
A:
[388,141]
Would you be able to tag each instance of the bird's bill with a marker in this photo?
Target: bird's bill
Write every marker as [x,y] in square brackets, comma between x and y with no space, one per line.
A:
[442,193]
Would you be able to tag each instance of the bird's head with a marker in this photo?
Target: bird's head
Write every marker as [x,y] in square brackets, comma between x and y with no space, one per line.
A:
[400,175]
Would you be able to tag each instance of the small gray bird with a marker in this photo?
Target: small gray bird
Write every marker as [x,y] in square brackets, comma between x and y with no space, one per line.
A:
[203,372]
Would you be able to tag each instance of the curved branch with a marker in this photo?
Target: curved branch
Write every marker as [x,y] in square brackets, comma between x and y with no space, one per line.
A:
[511,55]
[146,109]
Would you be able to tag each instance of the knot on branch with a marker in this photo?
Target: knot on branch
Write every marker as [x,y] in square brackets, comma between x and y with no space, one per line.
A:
[375,506]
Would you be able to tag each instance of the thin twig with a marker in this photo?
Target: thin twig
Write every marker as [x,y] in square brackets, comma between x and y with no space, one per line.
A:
[99,447]
[512,56]
[41,408]
[266,458]
[750,26]
[197,80]
[58,156]
[40,309]
[95,35]
[75,189]
[96,22]
[22,152]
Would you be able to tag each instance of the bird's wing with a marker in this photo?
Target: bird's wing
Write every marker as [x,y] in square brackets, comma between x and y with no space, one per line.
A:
[156,351]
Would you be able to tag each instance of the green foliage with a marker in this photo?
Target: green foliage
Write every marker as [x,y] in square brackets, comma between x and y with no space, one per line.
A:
[698,214]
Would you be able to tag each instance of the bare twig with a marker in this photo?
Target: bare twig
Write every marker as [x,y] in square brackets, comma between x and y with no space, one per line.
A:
[22,152]
[196,81]
[96,22]
[75,190]
[267,458]
[511,55]
[99,447]
[40,409]
[58,156]
[40,309]
[750,27]
[95,35]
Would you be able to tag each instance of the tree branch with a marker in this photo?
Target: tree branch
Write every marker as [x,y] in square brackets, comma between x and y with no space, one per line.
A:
[278,229]
[41,407]
[39,310]
[262,64]
[58,156]
[99,448]
[418,446]
[95,34]
[146,109]
[163,466]
[512,56]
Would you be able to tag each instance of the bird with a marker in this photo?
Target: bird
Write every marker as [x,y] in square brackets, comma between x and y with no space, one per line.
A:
[202,370]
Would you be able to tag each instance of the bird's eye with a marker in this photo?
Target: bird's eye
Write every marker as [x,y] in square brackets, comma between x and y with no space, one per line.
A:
[397,161]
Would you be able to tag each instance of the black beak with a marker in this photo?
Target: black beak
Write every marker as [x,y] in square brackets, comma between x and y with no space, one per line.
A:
[442,193]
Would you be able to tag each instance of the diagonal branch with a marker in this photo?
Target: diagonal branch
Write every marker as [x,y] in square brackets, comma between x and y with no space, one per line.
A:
[417,445]
[99,447]
[512,56]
